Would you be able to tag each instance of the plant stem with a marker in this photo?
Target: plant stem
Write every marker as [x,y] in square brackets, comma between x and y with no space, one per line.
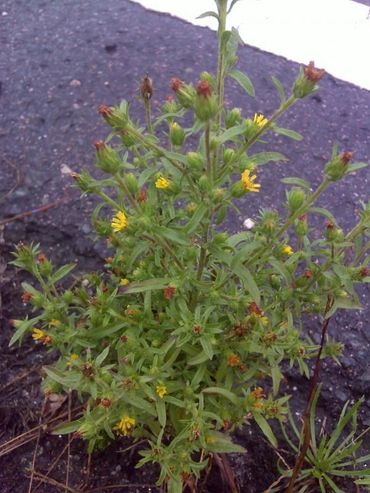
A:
[207,138]
[307,413]
[130,198]
[148,116]
[162,242]
[222,13]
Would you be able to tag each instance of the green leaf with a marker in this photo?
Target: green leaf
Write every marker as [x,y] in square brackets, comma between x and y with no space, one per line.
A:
[288,133]
[161,412]
[276,379]
[232,5]
[209,13]
[243,80]
[323,212]
[230,133]
[174,485]
[248,280]
[101,357]
[355,166]
[142,286]
[222,444]
[207,346]
[139,403]
[67,380]
[62,272]
[293,180]
[280,88]
[22,327]
[223,392]
[199,358]
[176,236]
[265,157]
[196,218]
[66,428]
[266,429]
[145,175]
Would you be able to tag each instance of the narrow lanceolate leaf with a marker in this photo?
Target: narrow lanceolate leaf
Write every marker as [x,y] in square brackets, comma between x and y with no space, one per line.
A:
[209,13]
[266,429]
[280,89]
[356,166]
[176,236]
[232,5]
[294,180]
[22,327]
[231,133]
[196,218]
[222,392]
[244,81]
[148,285]
[288,133]
[222,444]
[345,303]
[66,428]
[248,280]
[161,412]
[101,357]
[62,272]
[266,157]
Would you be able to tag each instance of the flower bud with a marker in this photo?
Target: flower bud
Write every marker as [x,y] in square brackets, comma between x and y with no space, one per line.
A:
[131,183]
[295,197]
[127,139]
[84,182]
[306,81]
[170,105]
[228,155]
[218,194]
[204,183]
[336,168]
[68,296]
[205,104]
[185,93]
[333,233]
[232,117]
[301,226]
[106,158]
[238,190]
[177,134]
[195,160]
[114,116]
[146,88]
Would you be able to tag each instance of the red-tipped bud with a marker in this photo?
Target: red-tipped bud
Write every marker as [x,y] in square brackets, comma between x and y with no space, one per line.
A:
[346,157]
[169,292]
[26,297]
[312,73]
[146,88]
[176,84]
[365,272]
[253,308]
[105,111]
[99,145]
[142,196]
[204,89]
[106,403]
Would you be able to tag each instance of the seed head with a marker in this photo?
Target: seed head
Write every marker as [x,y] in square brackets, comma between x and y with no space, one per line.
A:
[312,73]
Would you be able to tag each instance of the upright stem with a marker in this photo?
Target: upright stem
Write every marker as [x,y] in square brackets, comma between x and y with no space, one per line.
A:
[307,414]
[148,116]
[207,137]
[222,13]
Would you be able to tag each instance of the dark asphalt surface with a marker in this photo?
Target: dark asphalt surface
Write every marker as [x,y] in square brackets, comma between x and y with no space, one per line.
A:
[60,59]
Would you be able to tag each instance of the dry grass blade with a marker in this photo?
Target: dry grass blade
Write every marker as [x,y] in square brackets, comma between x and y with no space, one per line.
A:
[227,473]
[57,484]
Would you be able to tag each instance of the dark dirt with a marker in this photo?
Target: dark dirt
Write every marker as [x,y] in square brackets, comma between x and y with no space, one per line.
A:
[60,60]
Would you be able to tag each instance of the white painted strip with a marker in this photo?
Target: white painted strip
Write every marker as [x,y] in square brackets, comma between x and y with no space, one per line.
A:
[333,33]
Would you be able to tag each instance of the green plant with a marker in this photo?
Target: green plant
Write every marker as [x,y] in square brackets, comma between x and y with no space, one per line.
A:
[178,336]
[329,457]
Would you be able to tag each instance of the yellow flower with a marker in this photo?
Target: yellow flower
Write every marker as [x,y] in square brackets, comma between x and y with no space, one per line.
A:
[265,321]
[210,439]
[124,282]
[73,357]
[260,120]
[38,334]
[162,183]
[54,323]
[288,250]
[161,390]
[119,222]
[125,425]
[248,182]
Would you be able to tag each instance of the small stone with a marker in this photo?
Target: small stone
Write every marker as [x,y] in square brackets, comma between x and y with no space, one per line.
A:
[75,83]
[111,48]
[86,229]
[249,223]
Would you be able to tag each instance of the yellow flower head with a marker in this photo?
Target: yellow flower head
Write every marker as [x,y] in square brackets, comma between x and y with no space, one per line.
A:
[125,425]
[288,250]
[210,439]
[54,323]
[264,320]
[161,390]
[260,120]
[38,334]
[124,282]
[73,357]
[119,222]
[162,183]
[248,182]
